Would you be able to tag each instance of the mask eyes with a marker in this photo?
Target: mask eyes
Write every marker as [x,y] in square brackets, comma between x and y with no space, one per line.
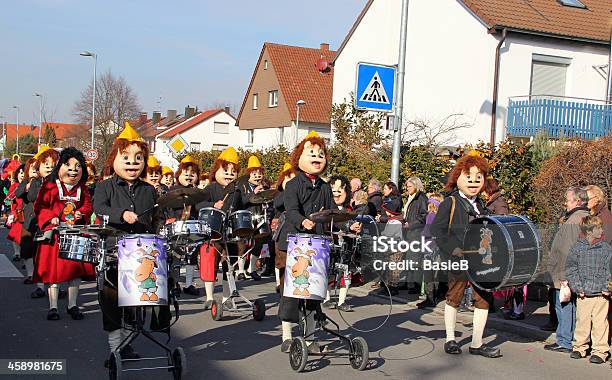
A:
[321,154]
[139,157]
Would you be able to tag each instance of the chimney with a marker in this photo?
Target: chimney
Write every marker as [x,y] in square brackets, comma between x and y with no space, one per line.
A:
[156,117]
[171,115]
[189,112]
[324,46]
[227,109]
[143,118]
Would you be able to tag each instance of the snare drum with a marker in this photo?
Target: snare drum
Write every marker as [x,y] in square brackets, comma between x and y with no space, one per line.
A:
[193,230]
[143,270]
[75,246]
[241,224]
[307,266]
[261,226]
[213,218]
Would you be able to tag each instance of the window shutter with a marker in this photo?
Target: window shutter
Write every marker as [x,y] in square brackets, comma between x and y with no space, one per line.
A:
[548,78]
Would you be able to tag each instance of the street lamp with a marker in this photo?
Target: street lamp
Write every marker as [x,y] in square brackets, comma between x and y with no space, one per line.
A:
[17,110]
[93,95]
[299,103]
[39,117]
[3,135]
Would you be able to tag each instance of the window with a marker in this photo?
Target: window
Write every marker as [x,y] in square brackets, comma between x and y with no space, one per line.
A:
[194,146]
[250,136]
[573,3]
[281,134]
[273,98]
[548,75]
[255,100]
[152,146]
[219,147]
[266,64]
[220,127]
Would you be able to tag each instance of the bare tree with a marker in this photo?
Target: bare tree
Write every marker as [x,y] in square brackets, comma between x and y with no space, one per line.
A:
[433,134]
[116,102]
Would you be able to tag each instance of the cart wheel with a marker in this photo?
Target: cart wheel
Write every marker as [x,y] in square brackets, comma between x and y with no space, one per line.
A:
[115,366]
[179,361]
[359,354]
[259,310]
[216,310]
[298,354]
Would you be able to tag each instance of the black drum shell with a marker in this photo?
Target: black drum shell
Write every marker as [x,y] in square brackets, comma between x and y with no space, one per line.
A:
[241,223]
[214,218]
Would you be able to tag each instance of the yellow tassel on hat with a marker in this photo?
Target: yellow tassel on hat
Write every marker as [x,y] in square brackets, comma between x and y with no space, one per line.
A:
[311,134]
[167,170]
[188,160]
[152,162]
[287,166]
[129,134]
[254,162]
[41,150]
[229,155]
[475,153]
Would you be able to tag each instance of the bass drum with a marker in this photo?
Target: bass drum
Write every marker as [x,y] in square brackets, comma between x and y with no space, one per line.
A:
[503,251]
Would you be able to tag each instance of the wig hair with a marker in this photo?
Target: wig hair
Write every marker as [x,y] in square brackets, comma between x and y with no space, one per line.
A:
[251,170]
[299,149]
[282,176]
[66,155]
[463,165]
[184,166]
[46,154]
[119,146]
[153,170]
[221,164]
[15,173]
[203,176]
[29,163]
[344,182]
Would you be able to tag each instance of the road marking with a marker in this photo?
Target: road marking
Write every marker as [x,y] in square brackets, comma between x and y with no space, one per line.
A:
[7,269]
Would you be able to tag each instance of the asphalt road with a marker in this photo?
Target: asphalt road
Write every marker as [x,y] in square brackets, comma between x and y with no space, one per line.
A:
[408,346]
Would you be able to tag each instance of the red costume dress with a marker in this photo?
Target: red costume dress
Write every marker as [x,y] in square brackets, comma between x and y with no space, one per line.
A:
[17,212]
[55,200]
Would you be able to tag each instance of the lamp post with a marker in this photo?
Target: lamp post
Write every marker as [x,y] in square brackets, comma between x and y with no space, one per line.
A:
[3,135]
[93,95]
[17,110]
[299,103]
[39,117]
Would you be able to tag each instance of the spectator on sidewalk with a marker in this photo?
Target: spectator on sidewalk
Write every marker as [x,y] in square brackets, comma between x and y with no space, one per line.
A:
[375,195]
[598,204]
[432,294]
[588,271]
[496,203]
[355,186]
[576,199]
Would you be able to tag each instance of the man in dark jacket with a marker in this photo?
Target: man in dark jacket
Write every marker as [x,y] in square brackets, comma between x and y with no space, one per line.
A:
[415,209]
[375,195]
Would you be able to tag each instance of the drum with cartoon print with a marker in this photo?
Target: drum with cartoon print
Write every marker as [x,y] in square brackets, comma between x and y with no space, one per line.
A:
[143,270]
[307,266]
[502,251]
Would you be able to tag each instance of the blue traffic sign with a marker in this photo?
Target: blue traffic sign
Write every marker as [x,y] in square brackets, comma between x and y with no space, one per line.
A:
[375,87]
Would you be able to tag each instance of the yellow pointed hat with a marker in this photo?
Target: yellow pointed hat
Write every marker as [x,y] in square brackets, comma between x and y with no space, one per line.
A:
[311,134]
[152,162]
[188,160]
[229,155]
[287,166]
[254,162]
[167,170]
[475,153]
[129,134]
[41,150]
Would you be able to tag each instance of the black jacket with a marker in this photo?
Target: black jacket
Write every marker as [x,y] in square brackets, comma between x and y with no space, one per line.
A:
[302,197]
[416,211]
[365,209]
[215,192]
[376,198]
[28,197]
[114,196]
[177,213]
[447,239]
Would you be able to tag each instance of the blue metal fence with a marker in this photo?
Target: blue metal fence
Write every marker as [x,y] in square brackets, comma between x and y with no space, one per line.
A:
[558,118]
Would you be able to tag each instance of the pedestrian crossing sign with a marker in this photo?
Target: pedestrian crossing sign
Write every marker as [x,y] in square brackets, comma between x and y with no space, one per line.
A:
[375,85]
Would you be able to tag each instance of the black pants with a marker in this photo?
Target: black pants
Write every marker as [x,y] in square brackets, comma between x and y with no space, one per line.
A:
[552,314]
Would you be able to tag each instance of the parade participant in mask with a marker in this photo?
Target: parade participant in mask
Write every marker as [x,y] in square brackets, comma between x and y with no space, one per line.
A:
[154,173]
[186,177]
[37,169]
[127,201]
[63,199]
[465,182]
[203,182]
[286,174]
[303,195]
[167,177]
[16,225]
[222,174]
[92,177]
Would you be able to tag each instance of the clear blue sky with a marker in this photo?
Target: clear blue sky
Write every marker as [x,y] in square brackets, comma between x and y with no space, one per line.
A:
[188,52]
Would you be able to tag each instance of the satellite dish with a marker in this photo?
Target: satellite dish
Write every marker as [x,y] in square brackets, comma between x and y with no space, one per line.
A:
[323,65]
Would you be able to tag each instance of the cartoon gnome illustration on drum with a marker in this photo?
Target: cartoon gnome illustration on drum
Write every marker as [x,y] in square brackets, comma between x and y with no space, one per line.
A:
[145,275]
[486,240]
[300,273]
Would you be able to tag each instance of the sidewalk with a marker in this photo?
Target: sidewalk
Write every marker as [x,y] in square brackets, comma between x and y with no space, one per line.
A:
[536,315]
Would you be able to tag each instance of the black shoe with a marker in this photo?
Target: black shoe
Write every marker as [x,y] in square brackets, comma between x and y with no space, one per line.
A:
[241,276]
[514,317]
[28,280]
[267,272]
[329,304]
[16,258]
[414,291]
[286,346]
[345,307]
[128,352]
[549,327]
[75,313]
[552,347]
[278,289]
[191,290]
[425,304]
[208,304]
[596,360]
[486,351]
[576,355]
[62,294]
[255,276]
[38,293]
[53,315]
[452,348]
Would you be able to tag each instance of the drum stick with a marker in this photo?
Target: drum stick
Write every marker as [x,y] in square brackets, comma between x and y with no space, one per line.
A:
[148,210]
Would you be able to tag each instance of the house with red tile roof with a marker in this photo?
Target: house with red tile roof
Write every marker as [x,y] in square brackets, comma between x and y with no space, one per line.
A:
[289,95]
[65,133]
[502,68]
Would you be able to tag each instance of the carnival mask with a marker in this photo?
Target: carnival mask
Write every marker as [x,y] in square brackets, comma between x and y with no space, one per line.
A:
[339,193]
[225,175]
[167,179]
[70,172]
[255,177]
[46,167]
[153,177]
[129,163]
[312,160]
[188,176]
[471,183]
